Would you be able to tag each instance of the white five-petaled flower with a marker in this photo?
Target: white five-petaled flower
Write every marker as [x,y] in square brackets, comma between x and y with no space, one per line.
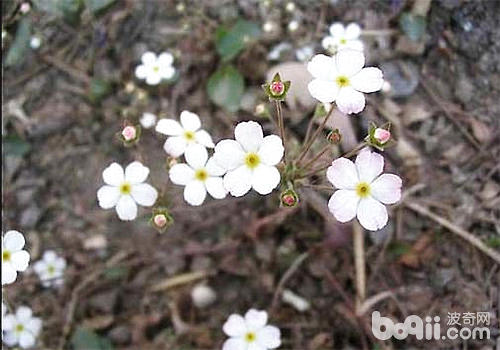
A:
[21,329]
[14,258]
[183,134]
[250,332]
[155,68]
[126,190]
[362,191]
[50,269]
[343,38]
[250,160]
[200,175]
[343,79]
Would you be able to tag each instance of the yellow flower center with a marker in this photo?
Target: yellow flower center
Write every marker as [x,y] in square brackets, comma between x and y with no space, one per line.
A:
[189,135]
[363,189]
[156,69]
[19,328]
[125,188]
[5,255]
[343,41]
[201,174]
[51,269]
[342,81]
[250,337]
[252,160]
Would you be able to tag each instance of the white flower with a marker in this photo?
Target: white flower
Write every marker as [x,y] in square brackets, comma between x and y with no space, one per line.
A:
[124,190]
[199,176]
[251,332]
[343,79]
[304,53]
[183,134]
[203,296]
[21,329]
[14,258]
[148,120]
[278,50]
[35,42]
[250,160]
[362,191]
[155,68]
[293,25]
[50,269]
[343,38]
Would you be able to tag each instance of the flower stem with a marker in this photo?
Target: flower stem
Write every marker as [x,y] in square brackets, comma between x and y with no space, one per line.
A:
[359,264]
[314,136]
[281,126]
[316,157]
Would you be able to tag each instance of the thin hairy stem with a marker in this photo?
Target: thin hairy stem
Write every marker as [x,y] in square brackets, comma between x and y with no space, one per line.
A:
[281,126]
[314,136]
[316,157]
[359,264]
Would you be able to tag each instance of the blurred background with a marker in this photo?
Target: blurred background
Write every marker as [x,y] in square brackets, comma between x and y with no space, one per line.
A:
[69,87]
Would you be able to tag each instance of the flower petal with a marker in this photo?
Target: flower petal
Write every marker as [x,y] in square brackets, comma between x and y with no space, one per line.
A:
[386,188]
[368,80]
[175,146]
[204,138]
[322,67]
[349,62]
[265,178]
[235,344]
[34,325]
[235,326]
[343,204]
[355,45]
[352,31]
[190,121]
[372,214]
[136,173]
[343,174]
[141,71]
[8,321]
[238,181]
[165,59]
[249,135]
[166,72]
[350,101]
[10,338]
[196,156]
[269,337]
[337,29]
[255,319]
[215,186]
[26,340]
[213,168]
[126,208]
[144,194]
[23,314]
[169,127]
[255,346]
[113,174]
[229,154]
[369,164]
[195,192]
[271,150]
[153,78]
[329,42]
[181,174]
[13,240]
[20,260]
[9,274]
[108,196]
[148,58]
[322,90]
[49,256]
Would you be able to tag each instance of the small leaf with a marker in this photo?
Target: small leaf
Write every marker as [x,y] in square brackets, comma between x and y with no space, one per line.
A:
[15,146]
[225,88]
[84,339]
[413,26]
[230,43]
[98,6]
[21,43]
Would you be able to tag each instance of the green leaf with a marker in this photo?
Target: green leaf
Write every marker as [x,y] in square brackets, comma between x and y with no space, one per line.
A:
[225,88]
[21,43]
[15,146]
[413,25]
[84,339]
[98,6]
[230,43]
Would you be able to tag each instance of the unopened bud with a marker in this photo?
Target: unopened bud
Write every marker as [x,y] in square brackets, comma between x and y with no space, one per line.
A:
[276,89]
[25,7]
[334,137]
[382,135]
[129,133]
[203,296]
[289,198]
[161,219]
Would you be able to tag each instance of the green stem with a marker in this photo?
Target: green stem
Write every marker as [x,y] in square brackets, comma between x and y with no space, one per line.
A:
[316,157]
[315,135]
[281,125]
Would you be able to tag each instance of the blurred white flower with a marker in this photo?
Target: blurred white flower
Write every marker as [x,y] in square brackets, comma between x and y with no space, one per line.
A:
[126,190]
[183,134]
[35,42]
[21,329]
[268,26]
[14,258]
[155,68]
[293,25]
[298,302]
[290,6]
[250,160]
[343,79]
[25,7]
[148,120]
[250,332]
[362,191]
[304,53]
[200,175]
[278,50]
[203,296]
[343,38]
[50,269]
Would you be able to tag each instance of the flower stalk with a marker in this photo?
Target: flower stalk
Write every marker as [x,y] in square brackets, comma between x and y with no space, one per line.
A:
[314,136]
[359,263]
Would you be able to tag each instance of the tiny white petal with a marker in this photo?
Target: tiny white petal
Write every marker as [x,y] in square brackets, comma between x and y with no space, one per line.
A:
[169,127]
[126,208]
[343,174]
[190,121]
[167,72]
[108,196]
[235,344]
[136,173]
[20,260]
[355,45]
[372,214]
[26,340]
[213,168]
[255,319]
[144,194]
[343,204]
[386,188]
[204,138]
[34,325]
[235,326]
[23,313]
[368,80]
[153,78]
[238,181]
[148,58]
[8,321]
[175,146]
[352,31]
[13,240]
[322,67]
[271,150]
[113,175]
[9,274]
[350,101]
[349,62]
[195,192]
[215,187]
[229,154]
[329,42]
[166,58]
[323,90]
[249,135]
[369,165]
[49,256]
[269,336]
[265,178]
[141,72]
[337,29]
[196,156]
[181,174]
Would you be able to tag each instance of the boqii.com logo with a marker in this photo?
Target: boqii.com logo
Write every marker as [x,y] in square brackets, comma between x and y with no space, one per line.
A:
[471,325]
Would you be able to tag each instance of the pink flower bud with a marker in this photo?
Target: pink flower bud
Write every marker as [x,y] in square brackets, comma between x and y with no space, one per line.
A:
[289,200]
[25,7]
[382,135]
[129,133]
[160,220]
[277,88]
